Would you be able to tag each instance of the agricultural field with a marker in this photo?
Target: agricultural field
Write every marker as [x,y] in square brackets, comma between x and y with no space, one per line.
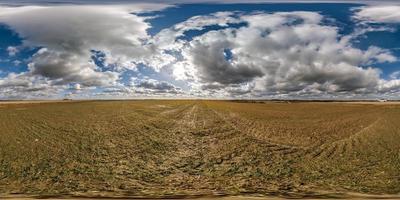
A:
[167,148]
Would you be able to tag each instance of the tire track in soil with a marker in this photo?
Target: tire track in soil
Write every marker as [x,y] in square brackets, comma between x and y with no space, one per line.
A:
[250,130]
[341,147]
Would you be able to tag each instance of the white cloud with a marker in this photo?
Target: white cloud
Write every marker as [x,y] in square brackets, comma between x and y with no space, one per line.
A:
[68,34]
[169,39]
[17,62]
[266,54]
[25,86]
[105,2]
[395,75]
[280,53]
[12,51]
[379,14]
[77,86]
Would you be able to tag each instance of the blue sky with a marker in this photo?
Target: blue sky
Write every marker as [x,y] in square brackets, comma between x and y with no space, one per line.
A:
[340,12]
[199,50]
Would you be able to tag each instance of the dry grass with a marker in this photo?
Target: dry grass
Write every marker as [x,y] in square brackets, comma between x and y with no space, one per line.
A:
[199,147]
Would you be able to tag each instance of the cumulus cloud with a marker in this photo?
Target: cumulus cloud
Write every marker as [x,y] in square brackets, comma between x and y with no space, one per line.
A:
[64,68]
[12,51]
[25,86]
[279,53]
[142,88]
[66,36]
[152,86]
[379,14]
[248,55]
[395,75]
[77,86]
[170,39]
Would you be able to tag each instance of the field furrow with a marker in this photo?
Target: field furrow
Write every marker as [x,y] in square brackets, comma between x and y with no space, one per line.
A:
[160,147]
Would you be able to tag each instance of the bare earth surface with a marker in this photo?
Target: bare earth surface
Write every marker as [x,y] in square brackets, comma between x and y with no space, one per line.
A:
[187,149]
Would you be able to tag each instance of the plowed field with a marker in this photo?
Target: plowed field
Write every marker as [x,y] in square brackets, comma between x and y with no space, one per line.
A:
[161,148]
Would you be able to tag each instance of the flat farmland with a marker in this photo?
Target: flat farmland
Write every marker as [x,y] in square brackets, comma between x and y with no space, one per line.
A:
[169,148]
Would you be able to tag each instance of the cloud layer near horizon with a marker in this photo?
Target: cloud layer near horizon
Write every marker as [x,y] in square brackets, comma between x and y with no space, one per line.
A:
[248,55]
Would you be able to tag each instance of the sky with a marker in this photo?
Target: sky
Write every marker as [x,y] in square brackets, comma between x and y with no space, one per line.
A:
[99,49]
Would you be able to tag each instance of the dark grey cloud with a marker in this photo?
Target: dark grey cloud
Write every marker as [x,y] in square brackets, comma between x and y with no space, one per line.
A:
[279,54]
[25,86]
[65,68]
[273,56]
[152,86]
[67,35]
[212,65]
[117,90]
